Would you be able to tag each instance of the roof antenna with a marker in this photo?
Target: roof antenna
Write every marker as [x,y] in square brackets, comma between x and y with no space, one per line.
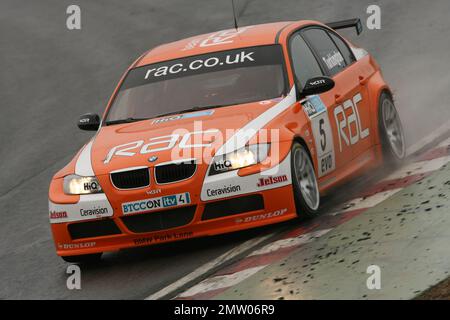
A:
[234,16]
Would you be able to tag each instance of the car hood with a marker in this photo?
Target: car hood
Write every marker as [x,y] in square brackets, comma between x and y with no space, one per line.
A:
[118,147]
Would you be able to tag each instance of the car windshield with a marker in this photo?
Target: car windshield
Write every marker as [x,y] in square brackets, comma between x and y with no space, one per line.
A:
[200,82]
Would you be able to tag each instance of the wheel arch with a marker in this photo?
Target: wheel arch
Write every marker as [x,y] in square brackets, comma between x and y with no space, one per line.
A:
[302,141]
[303,210]
[376,88]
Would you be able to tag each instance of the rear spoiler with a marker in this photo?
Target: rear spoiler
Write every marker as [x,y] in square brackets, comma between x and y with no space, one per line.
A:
[351,23]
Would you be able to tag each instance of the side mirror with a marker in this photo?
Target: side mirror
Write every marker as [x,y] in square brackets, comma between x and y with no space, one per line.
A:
[317,85]
[89,122]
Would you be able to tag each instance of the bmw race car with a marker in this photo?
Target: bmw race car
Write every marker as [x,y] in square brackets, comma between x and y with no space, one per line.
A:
[223,132]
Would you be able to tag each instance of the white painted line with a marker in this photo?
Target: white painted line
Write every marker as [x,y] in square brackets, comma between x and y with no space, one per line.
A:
[406,171]
[443,129]
[207,267]
[365,203]
[444,143]
[418,168]
[220,282]
[290,242]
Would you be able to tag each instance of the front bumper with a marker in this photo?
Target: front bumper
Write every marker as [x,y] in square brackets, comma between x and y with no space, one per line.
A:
[221,204]
[278,206]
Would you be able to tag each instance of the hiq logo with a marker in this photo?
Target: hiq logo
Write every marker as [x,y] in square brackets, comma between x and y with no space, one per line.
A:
[89,186]
[222,165]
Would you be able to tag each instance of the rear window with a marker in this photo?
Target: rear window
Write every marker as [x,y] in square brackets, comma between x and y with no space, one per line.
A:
[326,50]
[343,48]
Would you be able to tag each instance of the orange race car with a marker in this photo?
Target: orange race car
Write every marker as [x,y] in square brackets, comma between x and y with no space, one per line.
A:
[224,132]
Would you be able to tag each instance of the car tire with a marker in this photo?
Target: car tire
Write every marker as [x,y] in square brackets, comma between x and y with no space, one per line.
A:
[304,182]
[391,131]
[85,258]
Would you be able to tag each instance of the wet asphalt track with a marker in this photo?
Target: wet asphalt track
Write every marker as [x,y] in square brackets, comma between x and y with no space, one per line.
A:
[49,76]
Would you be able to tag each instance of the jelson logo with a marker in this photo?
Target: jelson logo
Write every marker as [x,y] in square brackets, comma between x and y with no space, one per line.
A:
[271,180]
[58,214]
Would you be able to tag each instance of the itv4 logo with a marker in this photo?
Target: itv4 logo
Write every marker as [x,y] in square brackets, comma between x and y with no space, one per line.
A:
[175,200]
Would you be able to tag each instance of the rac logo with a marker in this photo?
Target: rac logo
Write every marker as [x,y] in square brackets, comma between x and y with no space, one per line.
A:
[161,144]
[343,121]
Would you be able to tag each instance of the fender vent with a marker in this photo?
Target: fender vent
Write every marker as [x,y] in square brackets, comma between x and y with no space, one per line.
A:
[131,179]
[92,229]
[230,207]
[175,171]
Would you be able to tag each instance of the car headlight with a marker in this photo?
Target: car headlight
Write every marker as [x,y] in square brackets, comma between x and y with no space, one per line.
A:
[241,158]
[75,184]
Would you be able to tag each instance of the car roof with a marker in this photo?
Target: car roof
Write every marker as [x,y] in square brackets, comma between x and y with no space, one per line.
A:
[254,35]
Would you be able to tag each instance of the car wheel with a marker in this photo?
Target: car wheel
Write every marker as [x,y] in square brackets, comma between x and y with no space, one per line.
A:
[391,131]
[85,258]
[304,182]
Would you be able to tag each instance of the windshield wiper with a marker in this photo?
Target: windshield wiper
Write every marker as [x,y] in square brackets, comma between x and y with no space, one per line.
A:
[189,110]
[127,120]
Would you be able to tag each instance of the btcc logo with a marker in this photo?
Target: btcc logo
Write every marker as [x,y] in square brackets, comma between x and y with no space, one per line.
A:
[342,122]
[156,203]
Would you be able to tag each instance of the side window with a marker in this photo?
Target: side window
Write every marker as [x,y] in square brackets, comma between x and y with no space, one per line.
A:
[326,50]
[304,63]
[343,48]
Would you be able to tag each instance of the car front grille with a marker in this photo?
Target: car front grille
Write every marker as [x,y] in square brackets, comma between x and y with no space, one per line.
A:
[174,172]
[162,220]
[131,179]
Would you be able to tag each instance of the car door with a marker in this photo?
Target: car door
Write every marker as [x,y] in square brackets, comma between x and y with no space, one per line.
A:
[349,113]
[356,75]
[305,66]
